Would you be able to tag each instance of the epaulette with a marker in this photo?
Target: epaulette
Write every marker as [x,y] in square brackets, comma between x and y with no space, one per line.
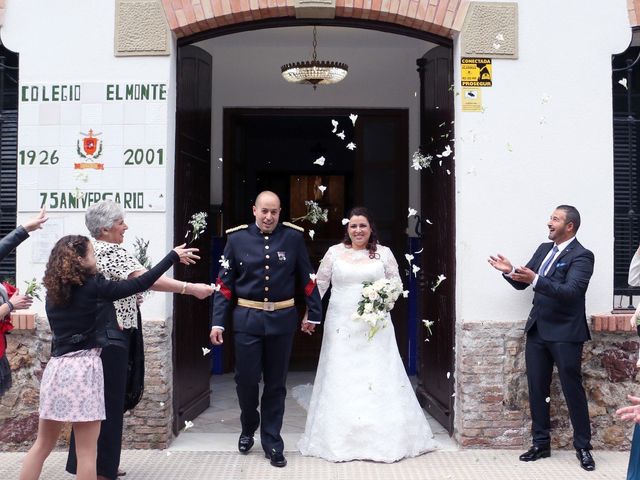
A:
[235,229]
[294,226]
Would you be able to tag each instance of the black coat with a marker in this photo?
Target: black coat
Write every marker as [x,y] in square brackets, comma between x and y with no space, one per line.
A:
[559,301]
[82,324]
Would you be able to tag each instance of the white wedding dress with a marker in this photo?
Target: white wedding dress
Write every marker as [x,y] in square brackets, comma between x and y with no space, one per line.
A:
[362,404]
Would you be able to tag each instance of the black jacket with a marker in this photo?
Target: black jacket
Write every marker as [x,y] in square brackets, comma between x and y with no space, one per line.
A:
[559,301]
[82,323]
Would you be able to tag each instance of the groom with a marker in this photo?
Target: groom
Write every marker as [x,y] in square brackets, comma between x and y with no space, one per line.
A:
[259,269]
[559,272]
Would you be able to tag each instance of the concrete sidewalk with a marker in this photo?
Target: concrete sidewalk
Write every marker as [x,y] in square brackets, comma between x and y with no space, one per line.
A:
[439,465]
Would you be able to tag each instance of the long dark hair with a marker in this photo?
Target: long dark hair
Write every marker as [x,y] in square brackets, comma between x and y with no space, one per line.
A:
[372,244]
[63,271]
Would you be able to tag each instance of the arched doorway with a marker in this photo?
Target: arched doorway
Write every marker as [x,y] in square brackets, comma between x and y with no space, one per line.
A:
[251,99]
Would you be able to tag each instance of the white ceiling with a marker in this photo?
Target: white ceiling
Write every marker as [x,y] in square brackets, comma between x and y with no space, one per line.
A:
[330,37]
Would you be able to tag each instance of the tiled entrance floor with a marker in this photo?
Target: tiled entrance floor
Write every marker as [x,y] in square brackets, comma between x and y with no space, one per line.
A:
[217,429]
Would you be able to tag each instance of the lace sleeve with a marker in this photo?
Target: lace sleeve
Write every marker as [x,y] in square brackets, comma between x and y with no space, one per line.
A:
[390,265]
[325,270]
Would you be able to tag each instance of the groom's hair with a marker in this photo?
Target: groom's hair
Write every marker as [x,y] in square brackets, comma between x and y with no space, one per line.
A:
[572,215]
[372,245]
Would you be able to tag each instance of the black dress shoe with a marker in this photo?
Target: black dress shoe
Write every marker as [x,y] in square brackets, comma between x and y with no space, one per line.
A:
[276,459]
[534,453]
[245,442]
[586,460]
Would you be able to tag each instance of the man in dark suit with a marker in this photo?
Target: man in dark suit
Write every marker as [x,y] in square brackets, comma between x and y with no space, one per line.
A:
[556,329]
[260,265]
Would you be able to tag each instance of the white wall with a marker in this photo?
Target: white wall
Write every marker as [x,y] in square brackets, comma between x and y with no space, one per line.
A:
[553,106]
[70,41]
[382,74]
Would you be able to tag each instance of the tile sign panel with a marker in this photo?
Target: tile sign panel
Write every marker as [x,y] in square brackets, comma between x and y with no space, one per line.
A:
[82,143]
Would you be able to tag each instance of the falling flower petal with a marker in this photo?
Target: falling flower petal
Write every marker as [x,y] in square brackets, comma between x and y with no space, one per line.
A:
[162,404]
[312,233]
[509,147]
[420,251]
[319,161]
[408,257]
[224,263]
[441,278]
[546,98]
[322,188]
[448,172]
[412,212]
[548,399]
[415,269]
[428,324]
[313,277]
[351,146]
[429,222]
[205,351]
[405,293]
[447,151]
[345,221]
[188,424]
[335,126]
[623,82]
[496,45]
[220,159]
[500,37]
[341,135]
[542,120]
[168,453]
[353,117]
[448,374]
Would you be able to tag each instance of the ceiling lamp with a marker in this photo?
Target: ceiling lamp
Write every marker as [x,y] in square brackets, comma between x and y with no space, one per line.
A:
[314,72]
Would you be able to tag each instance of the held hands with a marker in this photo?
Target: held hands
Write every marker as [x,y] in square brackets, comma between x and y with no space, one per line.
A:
[187,255]
[216,336]
[631,412]
[307,327]
[20,302]
[36,222]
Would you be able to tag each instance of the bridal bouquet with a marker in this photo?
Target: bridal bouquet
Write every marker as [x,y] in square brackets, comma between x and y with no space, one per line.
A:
[378,298]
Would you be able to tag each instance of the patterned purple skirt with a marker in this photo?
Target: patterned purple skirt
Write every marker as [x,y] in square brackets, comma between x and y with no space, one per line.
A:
[72,387]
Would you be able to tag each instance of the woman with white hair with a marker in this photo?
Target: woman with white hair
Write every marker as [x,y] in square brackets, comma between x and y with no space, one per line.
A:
[105,222]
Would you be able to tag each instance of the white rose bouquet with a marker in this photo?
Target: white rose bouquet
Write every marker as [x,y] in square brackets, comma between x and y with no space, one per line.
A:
[378,298]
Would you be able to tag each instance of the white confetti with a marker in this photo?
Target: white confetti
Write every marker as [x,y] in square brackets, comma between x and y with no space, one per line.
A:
[220,159]
[319,161]
[341,135]
[205,351]
[409,257]
[162,404]
[322,188]
[312,233]
[448,374]
[351,146]
[500,37]
[623,82]
[187,425]
[313,277]
[405,293]
[548,399]
[345,221]
[412,212]
[335,126]
[448,172]
[353,117]
[415,269]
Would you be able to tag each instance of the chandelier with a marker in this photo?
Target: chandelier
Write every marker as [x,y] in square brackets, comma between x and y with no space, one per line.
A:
[314,72]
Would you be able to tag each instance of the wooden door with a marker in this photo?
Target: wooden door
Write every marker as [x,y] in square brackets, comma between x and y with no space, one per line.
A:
[436,360]
[191,370]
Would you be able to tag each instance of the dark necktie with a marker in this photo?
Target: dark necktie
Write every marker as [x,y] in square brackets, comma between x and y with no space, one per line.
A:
[546,264]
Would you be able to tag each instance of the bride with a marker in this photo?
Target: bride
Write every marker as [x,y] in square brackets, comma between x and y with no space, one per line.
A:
[362,405]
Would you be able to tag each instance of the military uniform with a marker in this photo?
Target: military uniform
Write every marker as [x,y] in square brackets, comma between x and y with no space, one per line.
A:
[259,271]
